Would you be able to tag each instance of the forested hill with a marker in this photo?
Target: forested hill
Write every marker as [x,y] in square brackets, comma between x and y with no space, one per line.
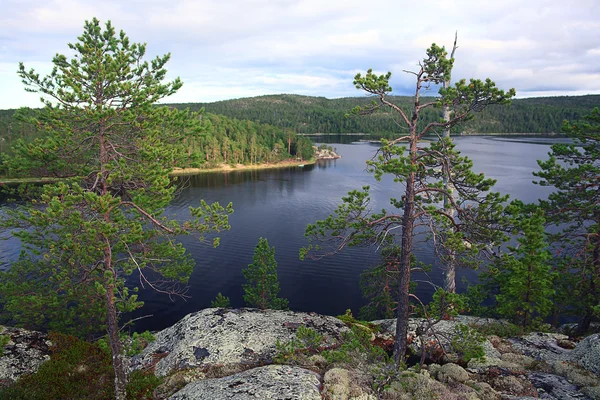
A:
[307,114]
[224,140]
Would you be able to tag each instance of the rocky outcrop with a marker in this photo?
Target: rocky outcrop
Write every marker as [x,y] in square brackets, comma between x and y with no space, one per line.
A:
[23,354]
[226,337]
[276,382]
[325,154]
[587,353]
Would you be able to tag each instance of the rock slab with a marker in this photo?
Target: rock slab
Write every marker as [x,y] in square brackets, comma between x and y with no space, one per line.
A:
[275,382]
[23,354]
[242,337]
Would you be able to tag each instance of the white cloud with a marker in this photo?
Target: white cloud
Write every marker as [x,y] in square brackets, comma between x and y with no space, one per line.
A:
[238,48]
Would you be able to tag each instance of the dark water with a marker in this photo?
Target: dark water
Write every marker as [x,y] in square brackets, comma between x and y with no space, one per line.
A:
[278,204]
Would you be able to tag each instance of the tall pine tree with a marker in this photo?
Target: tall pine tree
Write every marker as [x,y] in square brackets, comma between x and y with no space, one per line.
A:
[85,235]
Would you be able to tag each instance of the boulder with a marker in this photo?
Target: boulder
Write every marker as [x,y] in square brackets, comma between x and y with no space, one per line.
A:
[343,384]
[555,387]
[217,337]
[23,354]
[452,373]
[541,346]
[587,353]
[276,382]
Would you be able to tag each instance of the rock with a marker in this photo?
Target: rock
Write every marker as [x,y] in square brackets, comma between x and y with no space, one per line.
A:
[452,373]
[276,382]
[566,344]
[513,386]
[541,346]
[575,374]
[479,365]
[587,353]
[220,337]
[23,354]
[517,359]
[343,384]
[555,387]
[592,392]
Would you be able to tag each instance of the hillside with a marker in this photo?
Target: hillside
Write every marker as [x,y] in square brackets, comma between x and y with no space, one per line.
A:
[307,114]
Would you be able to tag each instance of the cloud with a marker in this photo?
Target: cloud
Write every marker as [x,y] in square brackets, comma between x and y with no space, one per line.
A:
[236,48]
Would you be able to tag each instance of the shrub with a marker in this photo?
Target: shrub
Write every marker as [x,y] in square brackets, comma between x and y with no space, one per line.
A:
[220,301]
[467,343]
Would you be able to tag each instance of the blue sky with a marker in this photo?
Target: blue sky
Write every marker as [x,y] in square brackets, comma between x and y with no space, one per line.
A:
[225,49]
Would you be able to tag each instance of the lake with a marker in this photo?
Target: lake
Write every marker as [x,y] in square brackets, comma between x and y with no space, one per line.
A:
[278,204]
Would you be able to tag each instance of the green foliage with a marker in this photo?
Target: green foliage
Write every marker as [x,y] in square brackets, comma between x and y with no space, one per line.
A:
[4,339]
[262,287]
[306,114]
[524,278]
[309,337]
[142,385]
[356,348]
[500,328]
[220,301]
[574,206]
[446,305]
[307,341]
[379,286]
[467,343]
[132,345]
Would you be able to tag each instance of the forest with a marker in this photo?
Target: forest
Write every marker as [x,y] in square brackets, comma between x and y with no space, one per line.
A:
[223,140]
[305,114]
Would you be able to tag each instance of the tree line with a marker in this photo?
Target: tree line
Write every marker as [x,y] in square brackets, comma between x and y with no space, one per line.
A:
[307,114]
[217,140]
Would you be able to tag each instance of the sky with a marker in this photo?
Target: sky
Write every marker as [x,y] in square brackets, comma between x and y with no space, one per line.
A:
[224,49]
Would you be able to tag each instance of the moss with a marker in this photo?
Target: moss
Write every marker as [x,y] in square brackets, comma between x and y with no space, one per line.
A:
[4,339]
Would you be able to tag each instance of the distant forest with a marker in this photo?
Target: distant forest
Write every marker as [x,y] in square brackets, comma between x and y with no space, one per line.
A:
[224,140]
[307,114]
[264,128]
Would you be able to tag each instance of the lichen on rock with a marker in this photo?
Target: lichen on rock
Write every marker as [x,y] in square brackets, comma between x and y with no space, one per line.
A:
[274,382]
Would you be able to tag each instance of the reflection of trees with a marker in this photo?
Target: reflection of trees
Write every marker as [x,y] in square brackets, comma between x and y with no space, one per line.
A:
[322,164]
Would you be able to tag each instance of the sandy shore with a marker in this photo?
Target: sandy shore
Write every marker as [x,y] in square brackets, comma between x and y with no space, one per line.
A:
[240,167]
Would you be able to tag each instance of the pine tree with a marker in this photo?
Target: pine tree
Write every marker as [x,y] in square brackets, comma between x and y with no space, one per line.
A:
[262,287]
[523,275]
[423,170]
[85,235]
[574,171]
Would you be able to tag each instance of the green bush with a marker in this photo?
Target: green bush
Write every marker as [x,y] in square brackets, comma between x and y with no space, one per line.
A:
[467,343]
[356,348]
[307,340]
[131,345]
[500,328]
[446,305]
[220,301]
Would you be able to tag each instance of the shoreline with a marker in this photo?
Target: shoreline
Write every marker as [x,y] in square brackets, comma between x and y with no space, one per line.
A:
[241,167]
[180,171]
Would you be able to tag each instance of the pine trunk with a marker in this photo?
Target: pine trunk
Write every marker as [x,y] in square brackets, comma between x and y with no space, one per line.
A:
[115,345]
[400,342]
